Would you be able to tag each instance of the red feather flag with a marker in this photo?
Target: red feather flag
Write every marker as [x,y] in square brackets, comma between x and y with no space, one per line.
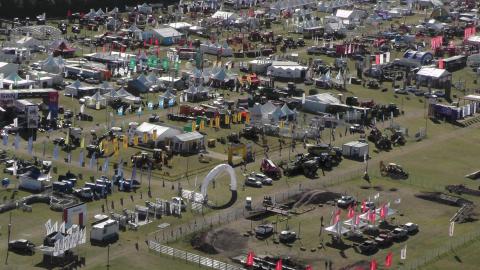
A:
[373,265]
[249,261]
[441,64]
[351,212]
[382,212]
[364,206]
[337,216]
[144,43]
[308,267]
[69,13]
[388,260]
[156,41]
[279,265]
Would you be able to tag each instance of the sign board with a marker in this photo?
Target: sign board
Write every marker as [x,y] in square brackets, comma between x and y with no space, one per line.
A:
[32,116]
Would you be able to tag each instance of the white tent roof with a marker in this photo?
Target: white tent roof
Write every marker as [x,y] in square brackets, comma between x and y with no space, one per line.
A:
[350,223]
[162,131]
[287,110]
[323,98]
[337,229]
[390,211]
[344,14]
[432,72]
[268,107]
[97,97]
[123,93]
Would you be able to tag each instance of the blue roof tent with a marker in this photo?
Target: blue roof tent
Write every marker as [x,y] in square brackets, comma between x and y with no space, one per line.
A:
[423,57]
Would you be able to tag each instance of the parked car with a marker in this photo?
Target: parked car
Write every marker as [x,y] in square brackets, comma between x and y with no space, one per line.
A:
[263,231]
[410,227]
[262,178]
[398,233]
[368,247]
[345,201]
[253,182]
[21,246]
[92,80]
[400,91]
[287,236]
[384,240]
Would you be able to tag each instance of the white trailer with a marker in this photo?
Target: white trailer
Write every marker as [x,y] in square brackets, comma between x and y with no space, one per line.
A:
[104,231]
[355,150]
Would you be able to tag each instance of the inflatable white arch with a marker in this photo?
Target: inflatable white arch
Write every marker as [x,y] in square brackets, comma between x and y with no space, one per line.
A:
[216,171]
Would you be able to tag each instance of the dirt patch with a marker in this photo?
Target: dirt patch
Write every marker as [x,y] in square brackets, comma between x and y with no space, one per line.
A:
[358,265]
[315,197]
[222,240]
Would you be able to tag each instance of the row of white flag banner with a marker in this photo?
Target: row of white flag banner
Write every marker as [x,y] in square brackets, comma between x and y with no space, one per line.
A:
[67,238]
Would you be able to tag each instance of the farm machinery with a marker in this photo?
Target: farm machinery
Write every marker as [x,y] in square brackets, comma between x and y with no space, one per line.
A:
[383,142]
[301,164]
[269,168]
[143,159]
[393,170]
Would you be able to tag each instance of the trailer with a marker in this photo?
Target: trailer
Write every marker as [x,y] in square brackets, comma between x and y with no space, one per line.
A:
[355,150]
[104,231]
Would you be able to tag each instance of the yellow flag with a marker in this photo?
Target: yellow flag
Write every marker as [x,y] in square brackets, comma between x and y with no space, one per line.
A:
[135,140]
[202,125]
[234,118]
[239,117]
[82,143]
[227,119]
[194,125]
[145,137]
[247,118]
[106,148]
[211,122]
[281,124]
[125,142]
[154,134]
[100,145]
[217,121]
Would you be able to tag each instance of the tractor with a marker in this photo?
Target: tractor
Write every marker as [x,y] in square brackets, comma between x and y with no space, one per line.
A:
[375,135]
[383,143]
[269,168]
[142,160]
[250,133]
[393,170]
[233,137]
[301,164]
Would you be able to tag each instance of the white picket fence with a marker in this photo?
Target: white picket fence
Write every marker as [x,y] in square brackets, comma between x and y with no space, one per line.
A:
[190,257]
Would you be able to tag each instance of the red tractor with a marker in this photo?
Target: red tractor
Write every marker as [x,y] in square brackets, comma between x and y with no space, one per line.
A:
[270,169]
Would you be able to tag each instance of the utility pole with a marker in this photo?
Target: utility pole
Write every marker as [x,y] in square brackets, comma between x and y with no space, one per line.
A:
[108,256]
[8,237]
